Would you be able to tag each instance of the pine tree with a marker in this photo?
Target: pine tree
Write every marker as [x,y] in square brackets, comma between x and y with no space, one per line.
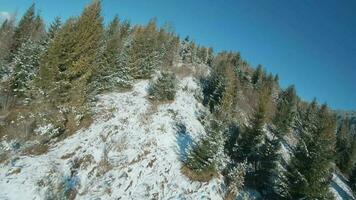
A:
[257,75]
[6,39]
[309,171]
[250,142]
[144,53]
[345,147]
[235,180]
[30,26]
[267,173]
[26,64]
[285,112]
[113,42]
[54,28]
[164,87]
[207,155]
[185,50]
[72,58]
[213,89]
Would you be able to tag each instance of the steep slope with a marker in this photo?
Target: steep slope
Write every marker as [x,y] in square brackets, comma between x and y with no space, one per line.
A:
[131,151]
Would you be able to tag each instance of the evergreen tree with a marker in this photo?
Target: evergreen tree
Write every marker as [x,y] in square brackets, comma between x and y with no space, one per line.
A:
[144,53]
[285,112]
[235,180]
[257,75]
[268,172]
[72,58]
[113,42]
[54,28]
[250,142]
[6,39]
[345,147]
[309,171]
[164,87]
[207,155]
[213,88]
[186,51]
[30,26]
[26,64]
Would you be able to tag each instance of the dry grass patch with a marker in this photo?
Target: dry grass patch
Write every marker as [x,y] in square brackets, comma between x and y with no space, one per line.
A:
[203,176]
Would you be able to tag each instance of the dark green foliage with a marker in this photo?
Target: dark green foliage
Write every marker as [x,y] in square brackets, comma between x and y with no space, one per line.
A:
[309,171]
[257,75]
[164,87]
[250,141]
[268,167]
[285,111]
[221,87]
[207,153]
[213,89]
[345,147]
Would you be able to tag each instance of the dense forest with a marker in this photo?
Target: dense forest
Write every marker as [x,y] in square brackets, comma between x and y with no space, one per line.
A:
[52,75]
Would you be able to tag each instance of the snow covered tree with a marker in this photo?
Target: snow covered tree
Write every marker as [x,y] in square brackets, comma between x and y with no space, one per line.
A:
[235,180]
[207,155]
[186,51]
[164,87]
[107,73]
[225,65]
[213,89]
[268,173]
[144,53]
[309,171]
[285,112]
[250,141]
[26,64]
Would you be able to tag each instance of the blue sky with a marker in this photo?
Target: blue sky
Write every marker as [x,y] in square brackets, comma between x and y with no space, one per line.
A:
[309,43]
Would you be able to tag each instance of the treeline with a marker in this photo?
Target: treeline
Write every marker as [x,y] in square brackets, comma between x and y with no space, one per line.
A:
[248,153]
[50,75]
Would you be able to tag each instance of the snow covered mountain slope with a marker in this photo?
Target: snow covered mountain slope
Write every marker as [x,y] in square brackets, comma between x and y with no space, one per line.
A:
[131,151]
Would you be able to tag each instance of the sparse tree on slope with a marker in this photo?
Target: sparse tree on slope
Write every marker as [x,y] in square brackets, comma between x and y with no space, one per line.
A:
[207,155]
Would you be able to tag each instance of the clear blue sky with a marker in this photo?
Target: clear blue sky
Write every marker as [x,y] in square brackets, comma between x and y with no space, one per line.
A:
[309,43]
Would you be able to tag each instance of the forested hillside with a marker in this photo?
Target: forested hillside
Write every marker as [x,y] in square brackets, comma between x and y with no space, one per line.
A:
[120,111]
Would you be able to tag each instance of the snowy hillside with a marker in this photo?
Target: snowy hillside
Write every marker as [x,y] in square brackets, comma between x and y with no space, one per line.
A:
[131,151]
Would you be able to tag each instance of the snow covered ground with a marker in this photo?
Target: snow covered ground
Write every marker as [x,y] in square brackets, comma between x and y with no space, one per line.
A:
[131,151]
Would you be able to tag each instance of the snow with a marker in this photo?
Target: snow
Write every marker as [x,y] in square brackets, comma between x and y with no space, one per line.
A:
[339,188]
[131,151]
